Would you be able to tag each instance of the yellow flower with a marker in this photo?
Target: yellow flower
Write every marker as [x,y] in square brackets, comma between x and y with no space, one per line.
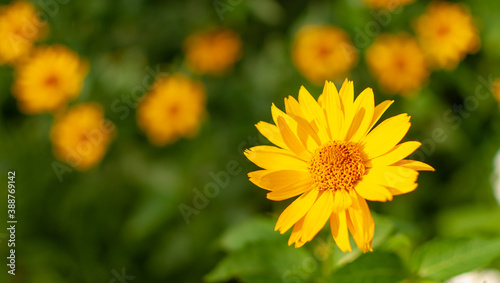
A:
[496,89]
[81,136]
[398,63]
[328,154]
[51,77]
[173,108]
[323,53]
[387,4]
[447,33]
[213,51]
[20,26]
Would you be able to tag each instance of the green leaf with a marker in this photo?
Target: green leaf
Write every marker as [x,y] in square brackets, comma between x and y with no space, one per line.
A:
[266,262]
[371,267]
[469,220]
[442,259]
[255,229]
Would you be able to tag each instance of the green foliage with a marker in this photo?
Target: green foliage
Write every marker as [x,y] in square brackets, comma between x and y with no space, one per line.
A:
[253,230]
[124,213]
[442,259]
[255,253]
[258,254]
[265,262]
[371,268]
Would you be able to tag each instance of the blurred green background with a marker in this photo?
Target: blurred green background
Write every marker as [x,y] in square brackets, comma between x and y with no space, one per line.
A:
[123,216]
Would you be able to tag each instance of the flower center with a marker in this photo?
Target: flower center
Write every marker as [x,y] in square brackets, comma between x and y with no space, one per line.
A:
[336,165]
[51,81]
[443,30]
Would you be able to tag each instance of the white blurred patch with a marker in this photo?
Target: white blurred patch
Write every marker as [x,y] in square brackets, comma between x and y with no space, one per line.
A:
[483,276]
[496,176]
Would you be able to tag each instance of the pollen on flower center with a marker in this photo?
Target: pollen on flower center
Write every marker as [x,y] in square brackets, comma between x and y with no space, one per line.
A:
[336,165]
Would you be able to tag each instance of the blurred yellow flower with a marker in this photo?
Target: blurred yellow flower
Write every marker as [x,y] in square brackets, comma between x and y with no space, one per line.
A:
[398,63]
[173,108]
[387,4]
[51,77]
[327,154]
[447,33]
[81,136]
[496,89]
[213,51]
[323,53]
[20,26]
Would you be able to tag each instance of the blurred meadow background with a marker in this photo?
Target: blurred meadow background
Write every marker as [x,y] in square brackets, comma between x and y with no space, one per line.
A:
[126,123]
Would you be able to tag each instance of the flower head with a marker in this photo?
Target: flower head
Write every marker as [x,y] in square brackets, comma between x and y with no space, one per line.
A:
[20,26]
[398,63]
[173,108]
[447,33]
[387,4]
[330,154]
[323,53]
[213,51]
[51,77]
[81,136]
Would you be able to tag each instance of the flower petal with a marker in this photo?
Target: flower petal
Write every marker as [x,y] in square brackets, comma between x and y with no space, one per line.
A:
[415,165]
[403,189]
[394,155]
[283,179]
[363,115]
[361,225]
[300,131]
[317,216]
[341,200]
[296,232]
[292,106]
[396,179]
[347,97]
[272,133]
[332,108]
[310,107]
[286,184]
[276,113]
[379,111]
[313,113]
[338,226]
[296,210]
[256,177]
[274,159]
[386,135]
[291,140]
[373,192]
[307,135]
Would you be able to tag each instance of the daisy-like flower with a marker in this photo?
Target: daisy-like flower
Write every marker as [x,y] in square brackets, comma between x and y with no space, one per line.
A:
[323,53]
[447,33]
[80,137]
[329,153]
[172,109]
[213,51]
[387,4]
[20,26]
[51,77]
[398,63]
